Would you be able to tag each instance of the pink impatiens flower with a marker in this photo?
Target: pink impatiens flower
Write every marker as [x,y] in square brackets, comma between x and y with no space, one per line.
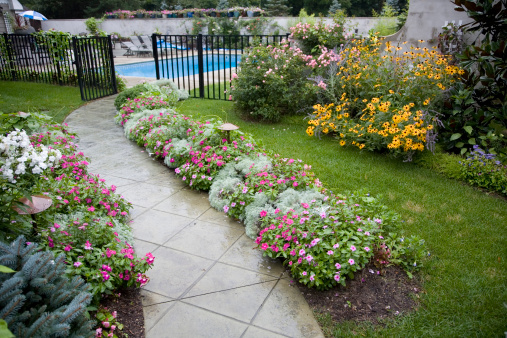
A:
[352,248]
[91,209]
[77,264]
[263,213]
[351,261]
[88,245]
[366,249]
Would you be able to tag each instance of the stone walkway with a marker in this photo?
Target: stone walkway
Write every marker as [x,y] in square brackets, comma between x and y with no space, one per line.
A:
[208,280]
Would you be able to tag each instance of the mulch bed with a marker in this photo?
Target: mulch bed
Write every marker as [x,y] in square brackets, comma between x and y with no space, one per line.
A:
[368,297]
[130,312]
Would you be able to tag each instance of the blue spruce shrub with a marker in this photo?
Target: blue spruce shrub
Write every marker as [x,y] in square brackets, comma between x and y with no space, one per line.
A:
[39,300]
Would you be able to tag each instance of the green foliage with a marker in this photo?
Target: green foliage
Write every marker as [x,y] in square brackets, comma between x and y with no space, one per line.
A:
[93,26]
[386,25]
[4,331]
[483,170]
[30,122]
[272,82]
[479,106]
[276,7]
[39,300]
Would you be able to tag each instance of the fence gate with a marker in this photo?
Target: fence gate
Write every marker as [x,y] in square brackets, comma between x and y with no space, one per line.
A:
[93,57]
[203,64]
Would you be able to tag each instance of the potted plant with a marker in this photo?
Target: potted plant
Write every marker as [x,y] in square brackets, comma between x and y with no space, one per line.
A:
[237,11]
[250,12]
[166,14]
[140,13]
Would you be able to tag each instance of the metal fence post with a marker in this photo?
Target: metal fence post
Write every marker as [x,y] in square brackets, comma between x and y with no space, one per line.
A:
[10,57]
[111,62]
[155,54]
[79,69]
[200,61]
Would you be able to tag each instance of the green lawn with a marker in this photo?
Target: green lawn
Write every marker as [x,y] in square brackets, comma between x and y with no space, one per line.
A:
[464,279]
[55,101]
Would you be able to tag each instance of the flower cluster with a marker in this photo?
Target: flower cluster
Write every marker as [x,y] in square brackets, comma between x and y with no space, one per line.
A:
[311,36]
[484,170]
[380,98]
[19,157]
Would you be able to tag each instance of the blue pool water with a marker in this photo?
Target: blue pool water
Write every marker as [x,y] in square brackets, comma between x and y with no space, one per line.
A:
[177,67]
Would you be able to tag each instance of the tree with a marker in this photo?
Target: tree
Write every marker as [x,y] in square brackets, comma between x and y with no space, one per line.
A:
[223,4]
[277,7]
[335,6]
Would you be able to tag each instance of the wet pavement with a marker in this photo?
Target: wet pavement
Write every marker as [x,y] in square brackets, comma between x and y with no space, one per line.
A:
[208,279]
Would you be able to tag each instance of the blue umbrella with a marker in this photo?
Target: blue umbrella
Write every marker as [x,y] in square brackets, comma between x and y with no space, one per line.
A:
[33,15]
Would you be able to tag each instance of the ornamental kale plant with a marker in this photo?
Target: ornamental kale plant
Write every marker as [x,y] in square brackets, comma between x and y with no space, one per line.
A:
[484,170]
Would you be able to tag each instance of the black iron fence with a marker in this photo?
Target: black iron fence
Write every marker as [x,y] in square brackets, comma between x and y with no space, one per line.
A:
[60,60]
[204,64]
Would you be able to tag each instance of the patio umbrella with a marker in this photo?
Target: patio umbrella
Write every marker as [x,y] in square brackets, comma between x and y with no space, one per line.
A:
[33,15]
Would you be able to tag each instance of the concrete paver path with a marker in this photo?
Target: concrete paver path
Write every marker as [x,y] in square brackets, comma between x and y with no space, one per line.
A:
[207,280]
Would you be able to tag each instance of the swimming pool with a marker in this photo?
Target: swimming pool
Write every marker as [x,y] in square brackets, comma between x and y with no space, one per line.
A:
[177,67]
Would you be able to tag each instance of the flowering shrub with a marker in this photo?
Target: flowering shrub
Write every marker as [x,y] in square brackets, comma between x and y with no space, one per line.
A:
[379,99]
[322,237]
[326,240]
[483,170]
[311,36]
[272,82]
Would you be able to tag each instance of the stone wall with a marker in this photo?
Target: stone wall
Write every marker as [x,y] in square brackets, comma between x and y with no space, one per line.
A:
[130,27]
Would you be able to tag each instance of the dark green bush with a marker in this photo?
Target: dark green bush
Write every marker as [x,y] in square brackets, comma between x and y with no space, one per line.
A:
[477,111]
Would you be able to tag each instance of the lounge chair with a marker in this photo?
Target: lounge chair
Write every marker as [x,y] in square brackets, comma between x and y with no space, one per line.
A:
[143,48]
[147,42]
[132,50]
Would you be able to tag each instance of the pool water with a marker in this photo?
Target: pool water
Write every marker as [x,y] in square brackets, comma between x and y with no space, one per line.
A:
[177,67]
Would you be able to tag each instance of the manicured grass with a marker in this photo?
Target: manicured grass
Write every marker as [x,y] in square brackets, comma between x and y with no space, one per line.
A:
[52,100]
[465,278]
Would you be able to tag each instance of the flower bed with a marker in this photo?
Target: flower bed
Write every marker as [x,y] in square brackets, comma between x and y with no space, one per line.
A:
[323,237]
[87,222]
